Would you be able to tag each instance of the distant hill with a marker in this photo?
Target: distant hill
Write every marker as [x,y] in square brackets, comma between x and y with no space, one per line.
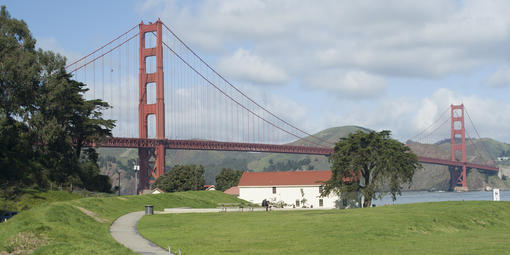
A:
[331,135]
[430,178]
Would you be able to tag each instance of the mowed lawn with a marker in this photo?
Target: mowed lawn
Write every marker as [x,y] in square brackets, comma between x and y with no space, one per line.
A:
[474,227]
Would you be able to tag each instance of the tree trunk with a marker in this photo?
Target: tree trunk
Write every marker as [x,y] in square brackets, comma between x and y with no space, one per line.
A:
[367,202]
[368,198]
[78,146]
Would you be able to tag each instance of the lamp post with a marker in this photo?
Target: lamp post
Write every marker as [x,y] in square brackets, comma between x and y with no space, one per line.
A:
[136,168]
[118,172]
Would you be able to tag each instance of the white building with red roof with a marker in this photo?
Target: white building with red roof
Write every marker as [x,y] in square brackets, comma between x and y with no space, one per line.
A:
[294,189]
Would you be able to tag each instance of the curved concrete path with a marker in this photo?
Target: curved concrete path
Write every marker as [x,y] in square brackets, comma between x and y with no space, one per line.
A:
[124,231]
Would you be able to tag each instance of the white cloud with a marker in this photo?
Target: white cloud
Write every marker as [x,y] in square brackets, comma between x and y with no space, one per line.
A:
[431,108]
[348,84]
[488,121]
[388,114]
[406,118]
[500,79]
[246,66]
[426,39]
[292,111]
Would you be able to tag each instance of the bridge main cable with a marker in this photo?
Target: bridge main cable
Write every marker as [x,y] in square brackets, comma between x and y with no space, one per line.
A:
[240,92]
[102,55]
[102,47]
[234,100]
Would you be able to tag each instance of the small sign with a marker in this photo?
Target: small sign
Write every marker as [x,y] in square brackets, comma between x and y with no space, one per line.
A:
[495,195]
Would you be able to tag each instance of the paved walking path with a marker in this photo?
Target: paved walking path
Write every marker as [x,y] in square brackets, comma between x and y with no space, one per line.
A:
[124,231]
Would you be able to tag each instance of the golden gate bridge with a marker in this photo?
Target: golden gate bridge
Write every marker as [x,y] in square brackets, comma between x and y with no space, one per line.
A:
[183,103]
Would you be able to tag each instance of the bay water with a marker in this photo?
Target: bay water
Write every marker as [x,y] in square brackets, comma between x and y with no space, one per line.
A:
[437,196]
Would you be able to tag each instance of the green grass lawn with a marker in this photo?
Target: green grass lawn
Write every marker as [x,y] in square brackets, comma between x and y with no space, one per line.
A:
[61,228]
[473,227]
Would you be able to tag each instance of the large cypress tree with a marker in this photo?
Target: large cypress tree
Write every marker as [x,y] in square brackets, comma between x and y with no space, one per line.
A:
[371,163]
[19,80]
[43,117]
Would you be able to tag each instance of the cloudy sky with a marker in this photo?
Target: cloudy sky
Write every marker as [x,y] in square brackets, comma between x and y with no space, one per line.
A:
[379,64]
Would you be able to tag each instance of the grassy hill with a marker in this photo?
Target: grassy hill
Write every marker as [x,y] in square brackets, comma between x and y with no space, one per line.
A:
[331,135]
[80,226]
[474,227]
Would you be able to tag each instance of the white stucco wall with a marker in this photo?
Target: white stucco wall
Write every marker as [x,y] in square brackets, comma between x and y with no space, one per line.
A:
[288,194]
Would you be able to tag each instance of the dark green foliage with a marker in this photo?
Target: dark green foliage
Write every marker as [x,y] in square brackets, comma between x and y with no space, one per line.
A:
[43,118]
[370,162]
[18,81]
[286,166]
[19,68]
[182,178]
[90,173]
[227,178]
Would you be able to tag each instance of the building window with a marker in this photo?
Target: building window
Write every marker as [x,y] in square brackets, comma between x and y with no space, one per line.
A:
[297,202]
[321,203]
[274,190]
[321,188]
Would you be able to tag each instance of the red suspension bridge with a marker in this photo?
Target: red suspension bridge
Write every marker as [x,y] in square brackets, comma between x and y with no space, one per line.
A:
[183,103]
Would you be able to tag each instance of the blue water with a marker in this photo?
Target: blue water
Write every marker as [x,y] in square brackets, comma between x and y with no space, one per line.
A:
[424,196]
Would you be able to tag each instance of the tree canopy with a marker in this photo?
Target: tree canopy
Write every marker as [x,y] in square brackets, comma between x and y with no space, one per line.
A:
[44,118]
[182,178]
[228,178]
[371,163]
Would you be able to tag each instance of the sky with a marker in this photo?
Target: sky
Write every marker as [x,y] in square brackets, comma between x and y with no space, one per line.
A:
[392,64]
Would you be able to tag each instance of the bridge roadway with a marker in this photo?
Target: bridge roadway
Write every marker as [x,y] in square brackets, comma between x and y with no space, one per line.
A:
[119,142]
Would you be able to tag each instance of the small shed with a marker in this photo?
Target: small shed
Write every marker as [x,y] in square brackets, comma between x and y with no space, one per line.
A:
[152,191]
[209,187]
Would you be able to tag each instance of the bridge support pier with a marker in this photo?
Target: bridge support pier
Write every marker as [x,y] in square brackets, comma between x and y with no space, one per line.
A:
[144,156]
[458,176]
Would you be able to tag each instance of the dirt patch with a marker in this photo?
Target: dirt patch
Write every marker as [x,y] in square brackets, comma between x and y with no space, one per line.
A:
[25,243]
[91,214]
[122,198]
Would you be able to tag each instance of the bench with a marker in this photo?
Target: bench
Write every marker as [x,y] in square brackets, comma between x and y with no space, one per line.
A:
[225,206]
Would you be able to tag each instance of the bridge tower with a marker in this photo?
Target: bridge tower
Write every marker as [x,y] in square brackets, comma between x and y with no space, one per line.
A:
[458,143]
[149,168]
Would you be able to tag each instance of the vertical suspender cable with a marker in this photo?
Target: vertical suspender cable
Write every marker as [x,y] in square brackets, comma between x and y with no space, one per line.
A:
[119,91]
[111,87]
[94,91]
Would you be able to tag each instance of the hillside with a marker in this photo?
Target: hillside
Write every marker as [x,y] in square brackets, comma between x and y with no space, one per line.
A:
[80,226]
[430,178]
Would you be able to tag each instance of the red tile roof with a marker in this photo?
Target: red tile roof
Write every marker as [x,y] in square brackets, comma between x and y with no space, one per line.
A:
[232,191]
[284,178]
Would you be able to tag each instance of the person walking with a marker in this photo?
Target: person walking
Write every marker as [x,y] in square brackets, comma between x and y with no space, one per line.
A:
[265,204]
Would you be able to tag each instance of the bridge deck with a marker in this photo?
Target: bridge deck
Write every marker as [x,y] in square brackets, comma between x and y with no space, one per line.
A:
[119,142]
